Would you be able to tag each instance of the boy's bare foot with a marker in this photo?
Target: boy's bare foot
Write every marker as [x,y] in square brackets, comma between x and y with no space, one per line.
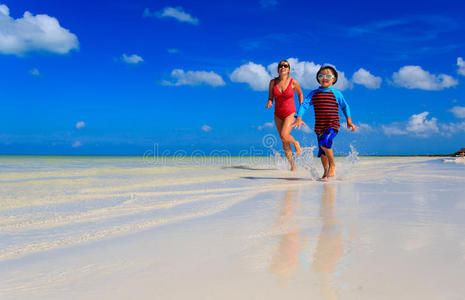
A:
[331,171]
[298,150]
[325,174]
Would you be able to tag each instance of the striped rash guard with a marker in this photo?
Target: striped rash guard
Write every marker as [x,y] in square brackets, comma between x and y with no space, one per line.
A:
[326,103]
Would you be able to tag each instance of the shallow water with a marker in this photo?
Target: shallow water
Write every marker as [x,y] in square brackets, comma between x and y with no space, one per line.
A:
[228,228]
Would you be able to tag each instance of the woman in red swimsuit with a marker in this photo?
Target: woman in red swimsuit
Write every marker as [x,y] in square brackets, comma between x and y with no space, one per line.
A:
[282,90]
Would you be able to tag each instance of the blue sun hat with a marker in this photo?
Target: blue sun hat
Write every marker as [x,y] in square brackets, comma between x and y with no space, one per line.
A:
[327,66]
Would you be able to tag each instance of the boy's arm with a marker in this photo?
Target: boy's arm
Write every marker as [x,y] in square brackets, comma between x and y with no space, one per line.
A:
[350,125]
[345,109]
[302,109]
[342,103]
[305,105]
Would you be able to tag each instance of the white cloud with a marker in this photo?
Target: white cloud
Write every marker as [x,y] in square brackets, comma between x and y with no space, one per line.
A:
[420,126]
[417,125]
[451,128]
[342,82]
[304,72]
[177,13]
[458,111]
[393,129]
[266,125]
[77,144]
[268,3]
[4,10]
[461,65]
[132,59]
[34,72]
[365,127]
[195,78]
[33,33]
[253,74]
[362,128]
[80,124]
[258,77]
[365,78]
[206,128]
[414,77]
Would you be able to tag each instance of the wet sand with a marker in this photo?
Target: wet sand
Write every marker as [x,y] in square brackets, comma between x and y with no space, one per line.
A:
[384,228]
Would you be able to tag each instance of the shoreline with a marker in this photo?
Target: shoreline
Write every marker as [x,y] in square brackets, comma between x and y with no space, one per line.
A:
[206,156]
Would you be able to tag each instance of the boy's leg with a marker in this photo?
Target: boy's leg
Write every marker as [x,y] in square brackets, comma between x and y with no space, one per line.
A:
[324,162]
[330,160]
[325,141]
[322,156]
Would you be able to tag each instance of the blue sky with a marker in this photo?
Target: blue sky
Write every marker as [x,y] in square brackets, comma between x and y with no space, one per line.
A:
[118,77]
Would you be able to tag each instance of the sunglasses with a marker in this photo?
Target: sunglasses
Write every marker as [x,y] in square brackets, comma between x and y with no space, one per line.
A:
[283,66]
[327,76]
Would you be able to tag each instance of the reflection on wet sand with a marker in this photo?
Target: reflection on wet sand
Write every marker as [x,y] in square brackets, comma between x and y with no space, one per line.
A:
[330,244]
[285,261]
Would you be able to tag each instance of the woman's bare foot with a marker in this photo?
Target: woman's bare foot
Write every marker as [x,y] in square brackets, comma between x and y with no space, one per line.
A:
[298,150]
[292,167]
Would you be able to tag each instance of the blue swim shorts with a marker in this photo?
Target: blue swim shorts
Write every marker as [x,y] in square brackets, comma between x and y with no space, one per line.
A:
[325,139]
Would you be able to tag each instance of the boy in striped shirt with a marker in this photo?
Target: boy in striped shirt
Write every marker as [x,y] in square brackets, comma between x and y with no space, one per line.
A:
[326,101]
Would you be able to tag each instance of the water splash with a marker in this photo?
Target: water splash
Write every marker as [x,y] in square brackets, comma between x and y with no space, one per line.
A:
[352,159]
[306,161]
[280,161]
[351,162]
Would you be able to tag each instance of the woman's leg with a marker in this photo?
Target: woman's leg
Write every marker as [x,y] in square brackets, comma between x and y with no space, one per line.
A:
[282,127]
[286,136]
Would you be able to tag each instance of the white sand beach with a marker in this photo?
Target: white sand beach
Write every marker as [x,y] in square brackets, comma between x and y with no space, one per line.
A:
[231,228]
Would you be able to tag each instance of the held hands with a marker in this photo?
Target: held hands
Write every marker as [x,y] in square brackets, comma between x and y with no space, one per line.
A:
[298,122]
[269,104]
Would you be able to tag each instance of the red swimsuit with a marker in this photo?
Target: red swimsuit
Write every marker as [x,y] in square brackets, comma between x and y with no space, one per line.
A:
[284,101]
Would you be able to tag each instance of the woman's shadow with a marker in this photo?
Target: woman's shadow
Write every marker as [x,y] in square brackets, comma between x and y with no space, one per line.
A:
[285,260]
